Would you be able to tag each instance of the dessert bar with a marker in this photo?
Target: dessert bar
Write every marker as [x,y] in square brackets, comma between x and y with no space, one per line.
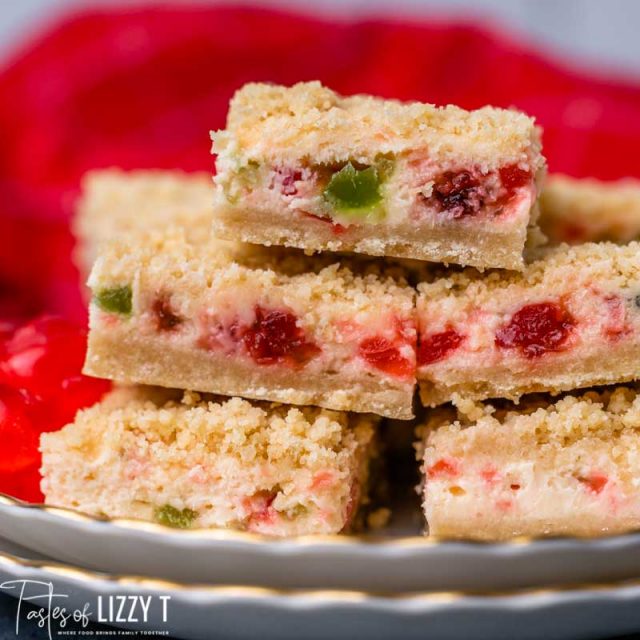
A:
[576,210]
[269,324]
[570,320]
[198,462]
[565,468]
[115,202]
[305,167]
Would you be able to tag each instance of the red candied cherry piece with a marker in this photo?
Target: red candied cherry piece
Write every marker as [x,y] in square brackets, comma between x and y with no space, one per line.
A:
[260,506]
[384,355]
[286,178]
[275,336]
[595,482]
[24,484]
[536,329]
[438,345]
[18,437]
[337,228]
[457,194]
[443,468]
[42,353]
[616,326]
[166,319]
[513,177]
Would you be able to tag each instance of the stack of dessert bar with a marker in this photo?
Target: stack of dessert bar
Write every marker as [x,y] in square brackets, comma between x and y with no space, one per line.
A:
[352,251]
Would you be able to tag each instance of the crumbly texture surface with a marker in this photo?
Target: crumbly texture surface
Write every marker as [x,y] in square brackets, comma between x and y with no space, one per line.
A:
[308,120]
[577,210]
[243,320]
[114,202]
[544,467]
[200,462]
[305,167]
[570,320]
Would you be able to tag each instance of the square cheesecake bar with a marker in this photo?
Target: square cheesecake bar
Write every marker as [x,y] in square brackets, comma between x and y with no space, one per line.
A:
[569,467]
[266,324]
[577,210]
[305,167]
[570,320]
[115,202]
[193,461]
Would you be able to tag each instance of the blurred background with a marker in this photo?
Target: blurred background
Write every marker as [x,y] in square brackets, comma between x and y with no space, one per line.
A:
[591,32]
[96,83]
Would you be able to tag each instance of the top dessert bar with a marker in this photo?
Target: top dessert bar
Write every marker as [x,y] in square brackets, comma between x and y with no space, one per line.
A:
[577,210]
[569,466]
[237,319]
[570,320]
[201,462]
[305,167]
[115,202]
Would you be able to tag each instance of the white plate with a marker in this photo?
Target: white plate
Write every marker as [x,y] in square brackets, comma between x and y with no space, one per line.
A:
[209,612]
[391,564]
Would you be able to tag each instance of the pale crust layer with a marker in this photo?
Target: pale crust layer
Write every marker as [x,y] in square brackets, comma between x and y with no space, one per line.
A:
[122,354]
[569,467]
[144,453]
[450,243]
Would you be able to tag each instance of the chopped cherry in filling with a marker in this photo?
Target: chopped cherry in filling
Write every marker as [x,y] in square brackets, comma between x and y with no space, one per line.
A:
[594,482]
[458,194]
[462,194]
[438,346]
[383,354]
[275,336]
[443,468]
[616,326]
[513,177]
[536,329]
[337,228]
[165,317]
[284,179]
[260,507]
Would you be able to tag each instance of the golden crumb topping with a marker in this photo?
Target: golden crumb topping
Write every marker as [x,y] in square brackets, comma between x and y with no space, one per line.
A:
[538,421]
[196,425]
[310,122]
[548,269]
[115,202]
[192,268]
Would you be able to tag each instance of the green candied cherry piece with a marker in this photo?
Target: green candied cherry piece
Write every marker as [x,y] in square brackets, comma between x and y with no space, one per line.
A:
[176,518]
[352,189]
[115,299]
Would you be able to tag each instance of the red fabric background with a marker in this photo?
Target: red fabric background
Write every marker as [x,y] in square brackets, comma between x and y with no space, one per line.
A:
[142,88]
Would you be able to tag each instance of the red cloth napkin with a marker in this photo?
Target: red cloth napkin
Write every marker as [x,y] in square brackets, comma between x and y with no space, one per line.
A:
[142,88]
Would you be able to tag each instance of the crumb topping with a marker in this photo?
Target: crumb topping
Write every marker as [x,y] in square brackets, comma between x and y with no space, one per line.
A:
[309,121]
